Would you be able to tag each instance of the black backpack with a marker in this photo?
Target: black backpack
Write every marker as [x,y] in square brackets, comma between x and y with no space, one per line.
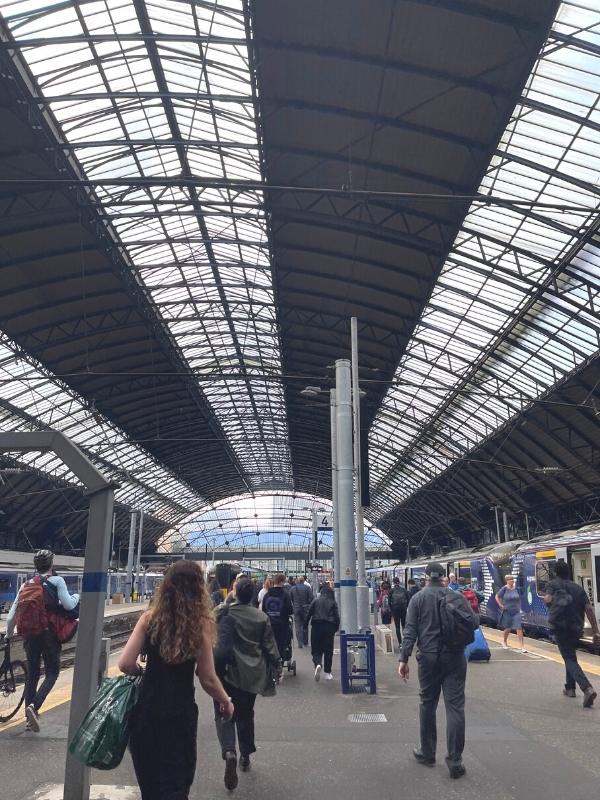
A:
[399,599]
[457,621]
[562,614]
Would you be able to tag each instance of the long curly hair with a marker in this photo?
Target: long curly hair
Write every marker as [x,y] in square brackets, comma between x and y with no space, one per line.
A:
[180,613]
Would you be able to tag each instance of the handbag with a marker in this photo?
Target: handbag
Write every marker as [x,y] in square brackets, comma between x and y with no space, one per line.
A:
[102,737]
[63,627]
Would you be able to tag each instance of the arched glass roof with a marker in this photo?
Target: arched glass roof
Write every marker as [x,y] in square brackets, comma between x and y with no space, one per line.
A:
[515,309]
[266,521]
[156,102]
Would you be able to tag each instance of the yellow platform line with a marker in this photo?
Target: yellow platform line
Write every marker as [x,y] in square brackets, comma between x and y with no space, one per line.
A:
[56,698]
[586,666]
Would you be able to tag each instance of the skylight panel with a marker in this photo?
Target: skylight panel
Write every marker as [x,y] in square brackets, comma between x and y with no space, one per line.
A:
[523,254]
[34,394]
[108,92]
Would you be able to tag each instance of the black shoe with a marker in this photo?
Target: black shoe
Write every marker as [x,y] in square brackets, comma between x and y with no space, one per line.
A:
[569,693]
[245,763]
[456,770]
[230,779]
[427,761]
[588,697]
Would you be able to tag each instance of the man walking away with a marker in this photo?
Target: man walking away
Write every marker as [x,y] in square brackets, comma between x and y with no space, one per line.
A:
[278,607]
[567,604]
[442,623]
[301,595]
[399,603]
[29,612]
[413,589]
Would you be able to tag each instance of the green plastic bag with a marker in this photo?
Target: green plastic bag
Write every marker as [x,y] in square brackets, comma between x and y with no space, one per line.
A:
[102,737]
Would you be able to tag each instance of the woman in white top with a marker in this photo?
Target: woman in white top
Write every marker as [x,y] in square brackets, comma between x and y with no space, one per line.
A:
[266,586]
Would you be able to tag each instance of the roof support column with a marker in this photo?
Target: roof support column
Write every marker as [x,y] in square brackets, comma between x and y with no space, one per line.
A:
[93,587]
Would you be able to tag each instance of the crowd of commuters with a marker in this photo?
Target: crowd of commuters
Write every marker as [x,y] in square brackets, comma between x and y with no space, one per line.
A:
[235,641]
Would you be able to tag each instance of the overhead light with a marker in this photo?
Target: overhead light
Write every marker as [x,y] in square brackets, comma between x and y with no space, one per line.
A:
[311,391]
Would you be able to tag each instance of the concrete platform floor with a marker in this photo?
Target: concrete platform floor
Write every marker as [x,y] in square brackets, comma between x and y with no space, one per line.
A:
[524,739]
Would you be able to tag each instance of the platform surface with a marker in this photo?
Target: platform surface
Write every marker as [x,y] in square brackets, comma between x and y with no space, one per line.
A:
[524,739]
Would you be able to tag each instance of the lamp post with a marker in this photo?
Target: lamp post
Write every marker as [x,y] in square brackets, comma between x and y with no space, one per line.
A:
[362,590]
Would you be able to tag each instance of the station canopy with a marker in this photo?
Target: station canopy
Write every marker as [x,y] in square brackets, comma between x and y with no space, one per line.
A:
[196,197]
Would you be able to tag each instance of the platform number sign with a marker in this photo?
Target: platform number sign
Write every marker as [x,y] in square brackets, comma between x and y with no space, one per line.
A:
[324,521]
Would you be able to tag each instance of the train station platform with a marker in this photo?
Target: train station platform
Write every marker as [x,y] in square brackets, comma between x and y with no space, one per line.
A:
[524,739]
[110,611]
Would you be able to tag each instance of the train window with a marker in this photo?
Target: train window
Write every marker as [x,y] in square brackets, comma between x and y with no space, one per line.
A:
[4,584]
[464,572]
[544,573]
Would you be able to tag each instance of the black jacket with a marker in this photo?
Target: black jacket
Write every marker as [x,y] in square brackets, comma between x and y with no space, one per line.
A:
[324,609]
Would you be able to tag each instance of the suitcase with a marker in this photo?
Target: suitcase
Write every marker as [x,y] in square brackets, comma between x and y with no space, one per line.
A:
[479,649]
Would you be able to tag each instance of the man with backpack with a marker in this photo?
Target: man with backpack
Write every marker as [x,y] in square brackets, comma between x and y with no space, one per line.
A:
[277,605]
[398,604]
[442,623]
[567,604]
[35,612]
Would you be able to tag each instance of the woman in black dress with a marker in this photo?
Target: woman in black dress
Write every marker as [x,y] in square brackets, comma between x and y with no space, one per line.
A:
[177,634]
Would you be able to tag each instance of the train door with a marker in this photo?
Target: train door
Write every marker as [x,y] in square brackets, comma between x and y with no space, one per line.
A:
[595,570]
[581,567]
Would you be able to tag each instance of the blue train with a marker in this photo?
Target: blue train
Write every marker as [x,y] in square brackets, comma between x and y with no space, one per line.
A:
[11,578]
[484,569]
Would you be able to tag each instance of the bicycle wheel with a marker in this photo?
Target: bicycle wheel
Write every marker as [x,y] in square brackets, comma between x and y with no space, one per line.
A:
[12,689]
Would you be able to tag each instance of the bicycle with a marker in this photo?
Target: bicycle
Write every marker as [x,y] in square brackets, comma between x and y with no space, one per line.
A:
[12,683]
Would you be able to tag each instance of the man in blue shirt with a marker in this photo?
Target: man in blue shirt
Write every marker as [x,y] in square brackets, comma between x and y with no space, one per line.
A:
[453,583]
[44,645]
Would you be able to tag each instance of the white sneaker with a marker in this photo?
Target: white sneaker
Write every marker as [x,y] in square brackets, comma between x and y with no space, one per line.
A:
[318,669]
[328,676]
[523,650]
[32,718]
[505,646]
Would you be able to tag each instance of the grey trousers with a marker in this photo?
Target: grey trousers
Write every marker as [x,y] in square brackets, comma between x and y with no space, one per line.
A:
[300,625]
[445,672]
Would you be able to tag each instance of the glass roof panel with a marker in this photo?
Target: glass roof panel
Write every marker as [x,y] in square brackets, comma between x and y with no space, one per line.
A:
[31,398]
[515,306]
[162,92]
[266,521]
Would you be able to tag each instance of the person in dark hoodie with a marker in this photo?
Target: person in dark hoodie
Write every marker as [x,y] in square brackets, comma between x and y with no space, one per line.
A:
[325,617]
[277,605]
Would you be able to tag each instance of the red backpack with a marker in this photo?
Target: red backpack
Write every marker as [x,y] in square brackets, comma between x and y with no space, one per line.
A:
[32,616]
[472,598]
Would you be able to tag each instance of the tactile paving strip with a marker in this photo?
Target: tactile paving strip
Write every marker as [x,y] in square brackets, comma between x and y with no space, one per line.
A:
[367,718]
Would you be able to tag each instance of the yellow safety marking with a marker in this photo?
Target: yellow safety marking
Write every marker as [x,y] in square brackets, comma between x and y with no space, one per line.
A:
[587,666]
[545,554]
[57,697]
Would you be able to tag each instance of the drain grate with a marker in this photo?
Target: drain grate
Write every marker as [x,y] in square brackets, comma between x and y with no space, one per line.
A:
[367,718]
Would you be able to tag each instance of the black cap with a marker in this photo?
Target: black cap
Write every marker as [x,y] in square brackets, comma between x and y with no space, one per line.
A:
[435,570]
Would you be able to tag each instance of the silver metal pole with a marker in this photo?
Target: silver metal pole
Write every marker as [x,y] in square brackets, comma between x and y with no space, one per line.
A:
[139,555]
[129,578]
[527,525]
[87,654]
[497,524]
[314,576]
[362,590]
[345,494]
[334,499]
[505,522]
